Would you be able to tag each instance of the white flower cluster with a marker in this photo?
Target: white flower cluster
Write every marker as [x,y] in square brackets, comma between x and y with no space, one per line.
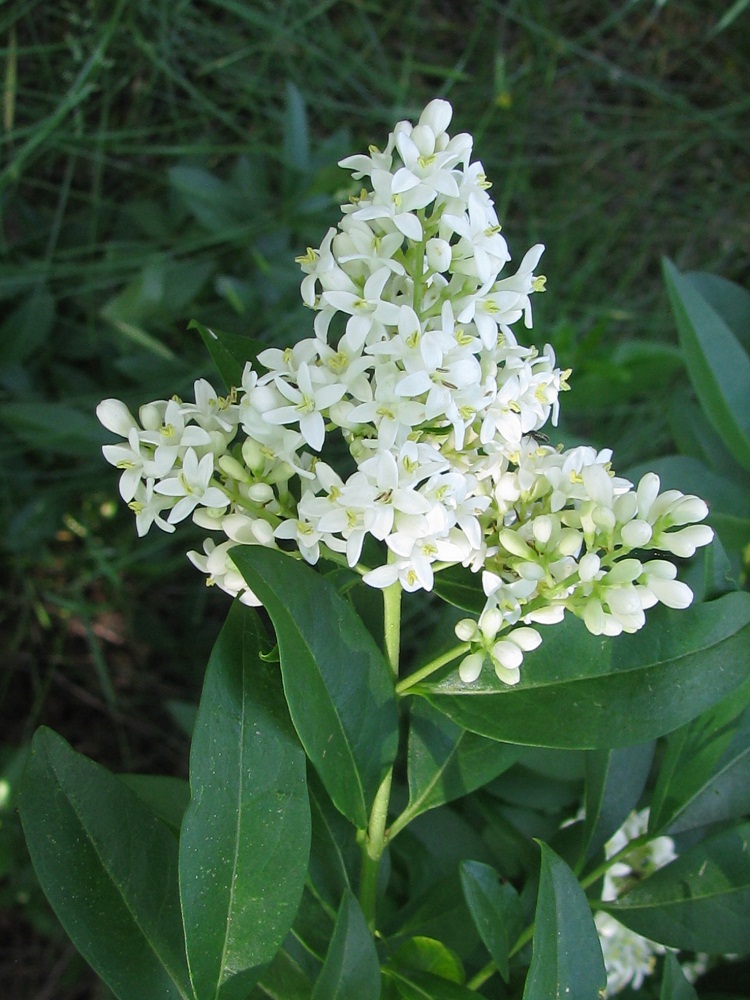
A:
[415,365]
[628,956]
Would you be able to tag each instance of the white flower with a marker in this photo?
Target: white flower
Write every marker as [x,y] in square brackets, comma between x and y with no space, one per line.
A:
[116,417]
[367,311]
[192,486]
[216,562]
[148,508]
[628,956]
[413,367]
[309,400]
[210,411]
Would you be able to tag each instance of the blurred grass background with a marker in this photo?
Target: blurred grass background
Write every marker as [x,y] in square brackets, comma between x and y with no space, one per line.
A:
[164,160]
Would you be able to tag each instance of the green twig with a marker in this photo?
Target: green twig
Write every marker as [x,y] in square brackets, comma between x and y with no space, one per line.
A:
[429,668]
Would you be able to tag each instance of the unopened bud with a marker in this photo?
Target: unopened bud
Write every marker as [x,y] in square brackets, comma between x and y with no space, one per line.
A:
[438,254]
[232,468]
[252,455]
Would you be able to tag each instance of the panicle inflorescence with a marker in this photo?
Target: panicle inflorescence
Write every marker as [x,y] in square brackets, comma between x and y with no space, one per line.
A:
[414,363]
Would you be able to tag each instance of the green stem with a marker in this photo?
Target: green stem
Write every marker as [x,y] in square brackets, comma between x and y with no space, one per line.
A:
[375,838]
[528,933]
[392,625]
[631,845]
[482,976]
[373,845]
[429,668]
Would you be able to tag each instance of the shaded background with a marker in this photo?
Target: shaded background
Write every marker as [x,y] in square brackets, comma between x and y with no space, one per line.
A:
[164,160]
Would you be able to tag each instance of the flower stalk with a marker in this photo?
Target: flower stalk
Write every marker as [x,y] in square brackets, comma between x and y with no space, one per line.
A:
[375,839]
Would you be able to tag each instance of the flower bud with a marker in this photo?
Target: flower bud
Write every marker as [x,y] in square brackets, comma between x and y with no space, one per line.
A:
[685,541]
[526,638]
[542,528]
[514,544]
[689,510]
[490,622]
[280,473]
[624,571]
[423,138]
[436,116]
[672,593]
[439,254]
[232,468]
[253,456]
[466,629]
[588,567]
[648,490]
[116,417]
[151,415]
[259,492]
[471,667]
[636,533]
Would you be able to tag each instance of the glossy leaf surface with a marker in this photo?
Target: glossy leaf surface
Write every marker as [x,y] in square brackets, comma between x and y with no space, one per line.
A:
[461,588]
[674,985]
[496,910]
[229,352]
[425,954]
[351,968]
[614,782]
[167,797]
[283,980]
[109,868]
[587,692]
[246,834]
[718,365]
[337,682]
[333,850]
[446,761]
[425,986]
[700,902]
[704,775]
[567,961]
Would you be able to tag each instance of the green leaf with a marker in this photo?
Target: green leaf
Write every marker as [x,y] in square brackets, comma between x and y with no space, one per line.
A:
[27,328]
[588,692]
[331,837]
[694,437]
[461,588]
[351,968]
[246,834]
[425,986]
[614,782]
[674,985]
[719,368]
[700,901]
[109,868]
[730,300]
[166,797]
[495,908]
[446,761]
[566,962]
[337,682]
[283,980]
[229,351]
[439,911]
[425,954]
[703,777]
